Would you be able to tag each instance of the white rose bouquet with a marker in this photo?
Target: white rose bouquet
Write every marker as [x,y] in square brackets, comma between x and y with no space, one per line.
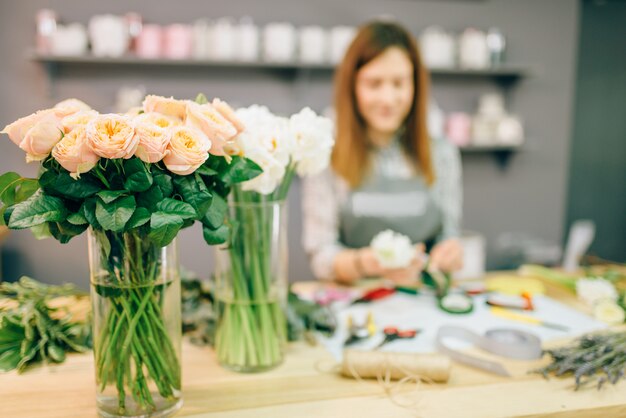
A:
[134,181]
[252,280]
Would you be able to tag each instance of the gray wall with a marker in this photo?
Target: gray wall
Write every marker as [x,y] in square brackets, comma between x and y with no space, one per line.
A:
[528,195]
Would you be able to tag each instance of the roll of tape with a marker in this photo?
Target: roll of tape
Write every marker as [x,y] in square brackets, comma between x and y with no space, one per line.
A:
[505,342]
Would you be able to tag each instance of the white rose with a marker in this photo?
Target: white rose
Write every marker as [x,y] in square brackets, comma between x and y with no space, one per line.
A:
[392,249]
[272,176]
[606,310]
[314,140]
[590,290]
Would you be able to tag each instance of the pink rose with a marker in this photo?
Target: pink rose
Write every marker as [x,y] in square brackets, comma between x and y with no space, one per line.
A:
[80,118]
[17,130]
[228,112]
[215,126]
[154,134]
[41,138]
[69,107]
[187,150]
[167,106]
[74,153]
[112,136]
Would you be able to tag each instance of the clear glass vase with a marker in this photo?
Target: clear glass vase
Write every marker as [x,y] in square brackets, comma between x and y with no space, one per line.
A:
[135,294]
[251,287]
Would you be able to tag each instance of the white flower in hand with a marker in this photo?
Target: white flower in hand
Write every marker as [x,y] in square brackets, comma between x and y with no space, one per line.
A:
[393,250]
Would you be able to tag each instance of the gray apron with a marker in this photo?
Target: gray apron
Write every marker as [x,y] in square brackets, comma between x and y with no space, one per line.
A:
[402,205]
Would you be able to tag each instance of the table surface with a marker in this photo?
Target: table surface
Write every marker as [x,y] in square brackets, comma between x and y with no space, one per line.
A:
[304,385]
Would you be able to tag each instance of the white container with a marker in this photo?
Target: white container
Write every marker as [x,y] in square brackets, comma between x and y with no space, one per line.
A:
[223,38]
[437,48]
[69,40]
[247,41]
[473,51]
[279,42]
[313,44]
[109,35]
[200,39]
[340,39]
[473,256]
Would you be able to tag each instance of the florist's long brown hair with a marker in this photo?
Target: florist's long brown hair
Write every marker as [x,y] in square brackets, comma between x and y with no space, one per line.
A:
[351,155]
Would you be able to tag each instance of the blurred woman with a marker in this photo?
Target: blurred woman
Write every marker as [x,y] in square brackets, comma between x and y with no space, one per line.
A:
[386,172]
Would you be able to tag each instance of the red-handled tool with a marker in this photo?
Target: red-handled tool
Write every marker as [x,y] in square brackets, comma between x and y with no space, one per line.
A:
[376,294]
[393,333]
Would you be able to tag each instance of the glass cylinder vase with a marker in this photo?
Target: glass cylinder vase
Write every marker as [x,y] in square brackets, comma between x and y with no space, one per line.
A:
[135,294]
[251,287]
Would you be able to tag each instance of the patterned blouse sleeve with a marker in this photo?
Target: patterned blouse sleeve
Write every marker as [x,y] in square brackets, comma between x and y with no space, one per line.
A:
[448,186]
[320,211]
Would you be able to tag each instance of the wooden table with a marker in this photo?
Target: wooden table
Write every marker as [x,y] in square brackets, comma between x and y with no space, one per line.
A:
[299,388]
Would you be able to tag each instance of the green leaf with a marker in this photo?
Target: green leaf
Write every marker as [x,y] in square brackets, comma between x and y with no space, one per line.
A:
[70,229]
[176,207]
[215,236]
[164,227]
[113,216]
[27,188]
[56,353]
[109,196]
[194,191]
[239,170]
[162,187]
[41,231]
[88,209]
[37,209]
[8,184]
[140,217]
[214,216]
[9,360]
[201,99]
[164,182]
[206,171]
[77,218]
[62,184]
[138,178]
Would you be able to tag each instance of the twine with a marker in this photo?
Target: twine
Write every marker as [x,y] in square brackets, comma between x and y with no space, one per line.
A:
[393,371]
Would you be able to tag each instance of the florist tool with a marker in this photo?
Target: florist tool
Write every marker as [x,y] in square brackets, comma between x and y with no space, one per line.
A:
[453,303]
[409,290]
[393,333]
[514,316]
[523,302]
[359,332]
[505,342]
[375,294]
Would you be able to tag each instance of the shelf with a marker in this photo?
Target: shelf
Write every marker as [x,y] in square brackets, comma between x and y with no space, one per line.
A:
[504,73]
[475,149]
[501,153]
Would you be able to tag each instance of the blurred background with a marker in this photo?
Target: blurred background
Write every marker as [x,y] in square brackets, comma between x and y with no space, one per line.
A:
[533,92]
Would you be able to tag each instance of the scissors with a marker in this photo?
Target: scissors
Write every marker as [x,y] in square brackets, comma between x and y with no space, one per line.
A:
[393,333]
[358,332]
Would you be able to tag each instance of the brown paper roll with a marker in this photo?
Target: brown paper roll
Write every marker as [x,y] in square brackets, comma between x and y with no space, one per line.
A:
[379,364]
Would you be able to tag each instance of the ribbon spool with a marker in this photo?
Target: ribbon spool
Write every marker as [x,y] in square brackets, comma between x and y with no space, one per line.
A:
[395,366]
[505,342]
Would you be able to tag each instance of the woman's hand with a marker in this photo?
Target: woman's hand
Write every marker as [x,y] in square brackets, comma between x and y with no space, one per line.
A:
[447,256]
[400,276]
